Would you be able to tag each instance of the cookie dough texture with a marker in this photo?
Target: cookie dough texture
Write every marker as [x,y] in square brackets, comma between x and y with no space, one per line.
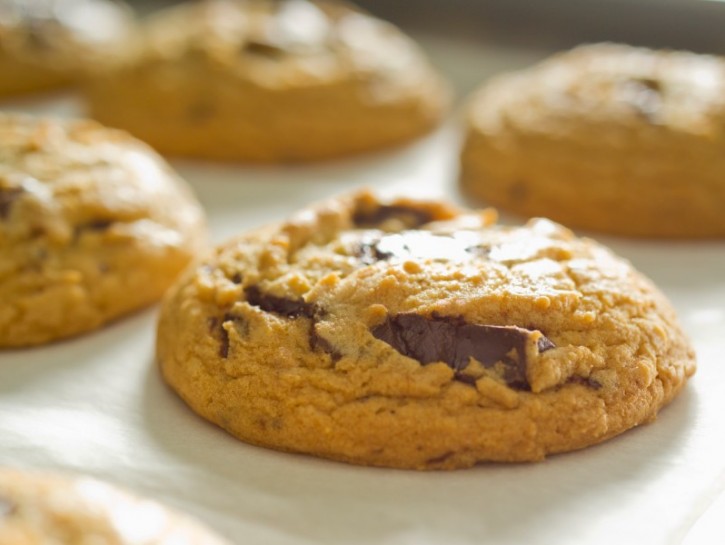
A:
[93,224]
[46,44]
[415,335]
[268,81]
[46,509]
[606,137]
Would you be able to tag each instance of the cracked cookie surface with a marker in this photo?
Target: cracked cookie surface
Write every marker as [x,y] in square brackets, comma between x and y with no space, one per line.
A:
[607,137]
[48,509]
[416,335]
[270,81]
[93,225]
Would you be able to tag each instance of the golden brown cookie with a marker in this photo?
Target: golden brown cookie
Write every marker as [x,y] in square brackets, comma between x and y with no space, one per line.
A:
[47,509]
[46,44]
[270,81]
[93,225]
[606,137]
[415,335]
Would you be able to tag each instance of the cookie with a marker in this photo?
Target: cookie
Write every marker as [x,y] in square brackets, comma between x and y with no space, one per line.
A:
[268,81]
[45,44]
[415,335]
[606,137]
[44,509]
[93,225]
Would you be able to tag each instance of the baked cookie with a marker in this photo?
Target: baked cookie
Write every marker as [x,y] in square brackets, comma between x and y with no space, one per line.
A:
[607,137]
[415,335]
[268,81]
[47,509]
[93,224]
[46,44]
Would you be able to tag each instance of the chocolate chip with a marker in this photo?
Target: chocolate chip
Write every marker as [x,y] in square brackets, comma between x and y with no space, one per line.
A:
[291,308]
[216,328]
[440,459]
[584,381]
[463,246]
[224,334]
[319,343]
[544,344]
[96,225]
[263,49]
[453,341]
[409,216]
[8,196]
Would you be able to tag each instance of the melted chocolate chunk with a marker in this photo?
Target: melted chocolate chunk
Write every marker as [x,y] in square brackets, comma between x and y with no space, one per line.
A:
[292,308]
[453,341]
[439,459]
[588,382]
[263,49]
[8,196]
[407,215]
[459,247]
[96,225]
[216,328]
[323,345]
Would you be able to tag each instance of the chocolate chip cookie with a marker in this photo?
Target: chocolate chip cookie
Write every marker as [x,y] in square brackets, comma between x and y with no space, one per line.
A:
[607,137]
[46,44]
[270,81]
[93,225]
[45,509]
[416,335]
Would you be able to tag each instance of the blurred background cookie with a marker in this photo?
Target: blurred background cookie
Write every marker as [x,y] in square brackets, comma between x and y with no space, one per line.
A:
[93,224]
[607,137]
[44,509]
[414,335]
[46,44]
[270,81]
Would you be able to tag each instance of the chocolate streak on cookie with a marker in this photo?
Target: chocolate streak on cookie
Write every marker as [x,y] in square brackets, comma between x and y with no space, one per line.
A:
[409,216]
[7,197]
[418,245]
[588,382]
[453,341]
[292,308]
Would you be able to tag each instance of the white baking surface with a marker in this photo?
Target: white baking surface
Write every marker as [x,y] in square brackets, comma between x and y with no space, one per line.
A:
[96,404]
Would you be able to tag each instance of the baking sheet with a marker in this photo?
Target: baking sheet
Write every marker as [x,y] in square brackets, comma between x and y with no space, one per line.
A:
[96,404]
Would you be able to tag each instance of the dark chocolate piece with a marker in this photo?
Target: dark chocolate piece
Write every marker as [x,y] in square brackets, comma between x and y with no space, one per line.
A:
[263,49]
[440,459]
[588,382]
[319,343]
[453,341]
[409,216]
[420,245]
[8,195]
[96,225]
[216,327]
[292,308]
